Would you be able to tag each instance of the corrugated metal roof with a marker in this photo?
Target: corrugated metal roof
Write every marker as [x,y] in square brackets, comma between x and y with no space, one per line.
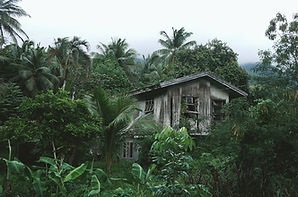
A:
[186,79]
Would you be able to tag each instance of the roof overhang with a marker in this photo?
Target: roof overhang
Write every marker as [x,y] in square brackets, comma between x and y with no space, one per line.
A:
[188,78]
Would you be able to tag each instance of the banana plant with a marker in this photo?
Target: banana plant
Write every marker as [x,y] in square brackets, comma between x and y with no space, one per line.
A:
[15,167]
[56,171]
[95,184]
[142,178]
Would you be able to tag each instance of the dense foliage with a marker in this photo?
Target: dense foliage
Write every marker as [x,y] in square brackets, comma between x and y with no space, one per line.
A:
[64,115]
[215,57]
[112,77]
[10,99]
[52,119]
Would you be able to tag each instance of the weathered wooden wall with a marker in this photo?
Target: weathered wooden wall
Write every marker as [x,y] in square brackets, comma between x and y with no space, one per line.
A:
[167,103]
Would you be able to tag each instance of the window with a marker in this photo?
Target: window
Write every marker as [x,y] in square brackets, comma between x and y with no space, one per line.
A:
[149,106]
[191,104]
[127,150]
[190,111]
[217,113]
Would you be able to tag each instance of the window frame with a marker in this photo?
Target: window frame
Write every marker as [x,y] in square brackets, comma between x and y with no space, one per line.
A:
[192,104]
[217,103]
[149,106]
[128,149]
[192,110]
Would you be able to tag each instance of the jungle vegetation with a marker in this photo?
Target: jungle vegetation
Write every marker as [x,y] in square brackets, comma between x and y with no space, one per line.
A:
[64,113]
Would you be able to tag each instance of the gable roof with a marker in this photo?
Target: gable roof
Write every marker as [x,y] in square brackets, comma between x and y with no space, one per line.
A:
[186,79]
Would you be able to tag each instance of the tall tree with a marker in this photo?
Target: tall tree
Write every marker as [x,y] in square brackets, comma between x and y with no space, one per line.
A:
[215,57]
[71,56]
[282,61]
[123,54]
[174,43]
[106,73]
[8,24]
[152,69]
[116,115]
[33,73]
[120,49]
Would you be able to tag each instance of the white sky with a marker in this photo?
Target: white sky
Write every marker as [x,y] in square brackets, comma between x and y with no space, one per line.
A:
[241,24]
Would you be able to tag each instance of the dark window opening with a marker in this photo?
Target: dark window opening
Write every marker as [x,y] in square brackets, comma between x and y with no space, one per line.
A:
[127,149]
[217,113]
[149,106]
[191,103]
[190,111]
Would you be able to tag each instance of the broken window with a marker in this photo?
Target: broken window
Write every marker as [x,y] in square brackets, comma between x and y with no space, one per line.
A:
[217,113]
[128,150]
[149,106]
[190,110]
[191,104]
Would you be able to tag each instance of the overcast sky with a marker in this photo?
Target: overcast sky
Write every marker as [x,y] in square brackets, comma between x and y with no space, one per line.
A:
[241,24]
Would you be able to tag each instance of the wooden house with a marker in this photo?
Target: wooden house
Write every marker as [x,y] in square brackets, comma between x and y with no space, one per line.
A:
[198,98]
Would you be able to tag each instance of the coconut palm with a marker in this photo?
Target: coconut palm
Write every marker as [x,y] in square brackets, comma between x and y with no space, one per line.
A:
[152,69]
[120,50]
[118,117]
[149,61]
[70,55]
[11,54]
[174,43]
[125,57]
[33,73]
[8,24]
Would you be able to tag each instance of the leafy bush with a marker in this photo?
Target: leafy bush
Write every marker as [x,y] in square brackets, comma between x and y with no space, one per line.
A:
[10,98]
[53,119]
[171,154]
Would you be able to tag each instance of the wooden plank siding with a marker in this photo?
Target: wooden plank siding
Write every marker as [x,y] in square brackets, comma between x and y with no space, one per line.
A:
[204,87]
[167,106]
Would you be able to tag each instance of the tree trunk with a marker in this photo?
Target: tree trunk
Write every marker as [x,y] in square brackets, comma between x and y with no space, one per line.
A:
[108,162]
[73,95]
[65,78]
[109,154]
[73,154]
[64,84]
[8,182]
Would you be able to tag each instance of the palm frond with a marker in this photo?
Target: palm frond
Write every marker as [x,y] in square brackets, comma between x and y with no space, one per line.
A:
[125,117]
[91,104]
[145,122]
[175,43]
[189,44]
[8,10]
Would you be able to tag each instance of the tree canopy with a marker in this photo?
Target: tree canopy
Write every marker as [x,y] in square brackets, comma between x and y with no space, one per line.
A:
[8,23]
[173,43]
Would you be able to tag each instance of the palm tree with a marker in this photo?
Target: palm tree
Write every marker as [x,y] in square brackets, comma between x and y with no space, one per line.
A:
[70,55]
[33,73]
[10,54]
[120,50]
[124,55]
[8,24]
[118,117]
[174,43]
[152,69]
[150,61]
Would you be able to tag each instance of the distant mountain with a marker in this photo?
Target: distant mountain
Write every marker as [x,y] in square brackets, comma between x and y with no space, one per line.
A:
[248,67]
